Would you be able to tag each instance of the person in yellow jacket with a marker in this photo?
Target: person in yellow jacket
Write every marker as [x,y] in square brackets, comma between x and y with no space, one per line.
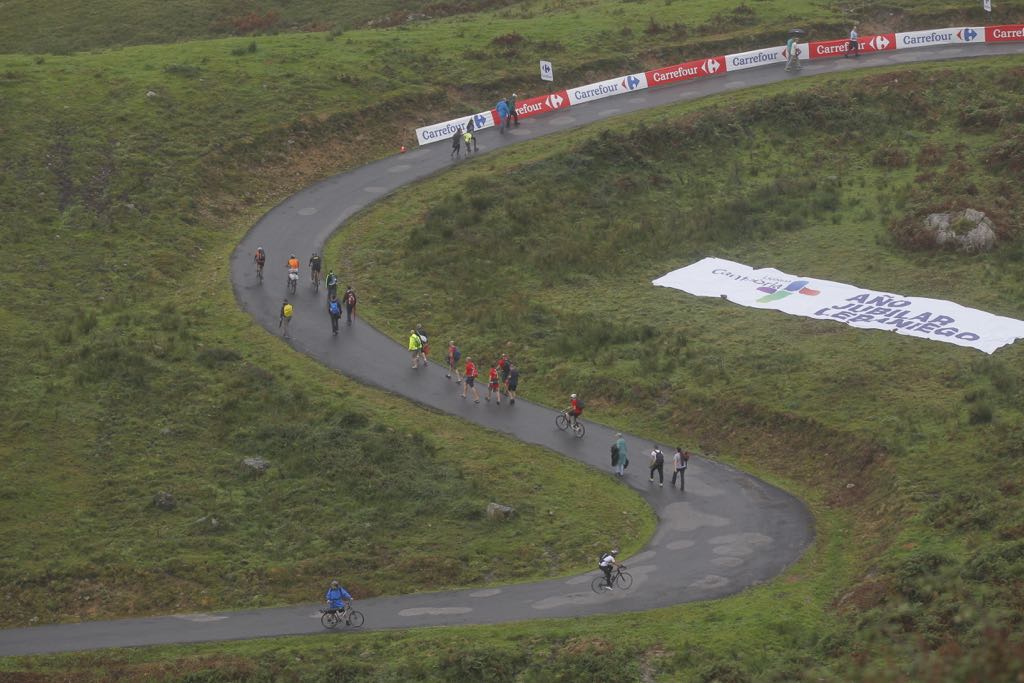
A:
[286,317]
[416,349]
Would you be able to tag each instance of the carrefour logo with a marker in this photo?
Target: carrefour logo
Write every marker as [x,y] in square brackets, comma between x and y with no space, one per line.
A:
[554,101]
[794,287]
[630,82]
[879,42]
[480,121]
[967,34]
[711,66]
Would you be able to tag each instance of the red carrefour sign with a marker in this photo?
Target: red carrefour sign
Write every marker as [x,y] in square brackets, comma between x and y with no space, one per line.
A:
[698,68]
[836,48]
[538,105]
[1004,34]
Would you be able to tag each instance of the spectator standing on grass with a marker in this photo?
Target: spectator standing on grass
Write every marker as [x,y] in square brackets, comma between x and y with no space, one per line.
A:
[470,376]
[285,320]
[854,44]
[457,143]
[493,388]
[512,115]
[620,467]
[679,462]
[502,108]
[792,54]
[350,303]
[453,361]
[334,310]
[513,383]
[658,465]
[415,348]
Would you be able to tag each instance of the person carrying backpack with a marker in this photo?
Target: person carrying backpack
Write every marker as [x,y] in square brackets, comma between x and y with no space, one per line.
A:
[658,464]
[470,374]
[620,466]
[332,284]
[513,383]
[454,355]
[334,310]
[350,304]
[607,563]
[286,317]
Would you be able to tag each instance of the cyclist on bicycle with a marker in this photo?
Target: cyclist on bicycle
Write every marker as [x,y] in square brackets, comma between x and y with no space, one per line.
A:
[337,597]
[259,259]
[314,267]
[293,267]
[575,408]
[607,564]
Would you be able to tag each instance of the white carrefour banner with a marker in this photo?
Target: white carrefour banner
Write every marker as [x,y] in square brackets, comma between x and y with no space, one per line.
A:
[769,55]
[613,86]
[913,316]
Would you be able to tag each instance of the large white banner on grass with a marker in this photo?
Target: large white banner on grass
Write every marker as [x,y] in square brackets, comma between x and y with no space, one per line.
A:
[804,296]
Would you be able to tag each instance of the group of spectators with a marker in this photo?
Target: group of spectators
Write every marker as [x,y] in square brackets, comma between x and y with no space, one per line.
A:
[502,378]
[680,461]
[463,135]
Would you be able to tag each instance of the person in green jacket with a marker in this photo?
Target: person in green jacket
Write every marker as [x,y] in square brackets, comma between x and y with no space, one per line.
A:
[620,465]
[416,349]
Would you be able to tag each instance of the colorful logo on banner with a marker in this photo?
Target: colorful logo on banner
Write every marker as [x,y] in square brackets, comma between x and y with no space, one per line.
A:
[794,287]
[967,34]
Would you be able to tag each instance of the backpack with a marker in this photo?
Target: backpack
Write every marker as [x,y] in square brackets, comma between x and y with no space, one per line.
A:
[615,454]
[580,404]
[456,354]
[351,299]
[334,307]
[659,457]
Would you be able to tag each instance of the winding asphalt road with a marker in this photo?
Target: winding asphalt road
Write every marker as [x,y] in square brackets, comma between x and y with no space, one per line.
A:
[726,532]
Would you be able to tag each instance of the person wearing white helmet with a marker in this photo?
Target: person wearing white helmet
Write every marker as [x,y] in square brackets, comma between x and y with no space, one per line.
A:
[575,408]
[512,115]
[607,564]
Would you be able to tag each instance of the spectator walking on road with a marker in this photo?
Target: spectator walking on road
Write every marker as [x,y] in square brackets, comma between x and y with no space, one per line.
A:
[470,128]
[615,455]
[504,366]
[350,303]
[457,143]
[470,373]
[658,465]
[793,54]
[334,310]
[493,388]
[502,108]
[512,115]
[679,462]
[415,348]
[453,362]
[425,345]
[620,467]
[332,284]
[854,44]
[286,318]
[513,383]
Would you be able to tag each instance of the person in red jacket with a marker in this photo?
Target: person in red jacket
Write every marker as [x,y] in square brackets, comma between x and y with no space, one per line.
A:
[575,408]
[492,386]
[470,377]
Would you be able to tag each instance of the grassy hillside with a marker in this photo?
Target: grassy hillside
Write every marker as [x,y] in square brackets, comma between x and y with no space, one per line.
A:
[598,30]
[130,371]
[921,437]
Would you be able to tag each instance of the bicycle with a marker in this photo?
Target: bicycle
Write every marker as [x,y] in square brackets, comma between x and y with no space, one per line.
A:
[259,272]
[293,281]
[620,579]
[316,281]
[564,421]
[332,616]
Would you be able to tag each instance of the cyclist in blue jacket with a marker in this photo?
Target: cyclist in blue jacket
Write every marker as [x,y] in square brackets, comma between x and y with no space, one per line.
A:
[337,597]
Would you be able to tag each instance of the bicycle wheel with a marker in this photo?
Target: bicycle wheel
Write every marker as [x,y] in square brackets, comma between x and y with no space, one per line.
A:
[329,619]
[579,430]
[355,619]
[316,285]
[598,584]
[624,580]
[561,421]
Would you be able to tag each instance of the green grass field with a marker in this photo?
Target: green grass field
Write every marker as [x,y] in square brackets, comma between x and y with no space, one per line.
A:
[129,370]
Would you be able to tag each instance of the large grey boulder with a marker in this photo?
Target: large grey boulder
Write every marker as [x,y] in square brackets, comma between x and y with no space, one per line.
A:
[500,512]
[968,230]
[256,465]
